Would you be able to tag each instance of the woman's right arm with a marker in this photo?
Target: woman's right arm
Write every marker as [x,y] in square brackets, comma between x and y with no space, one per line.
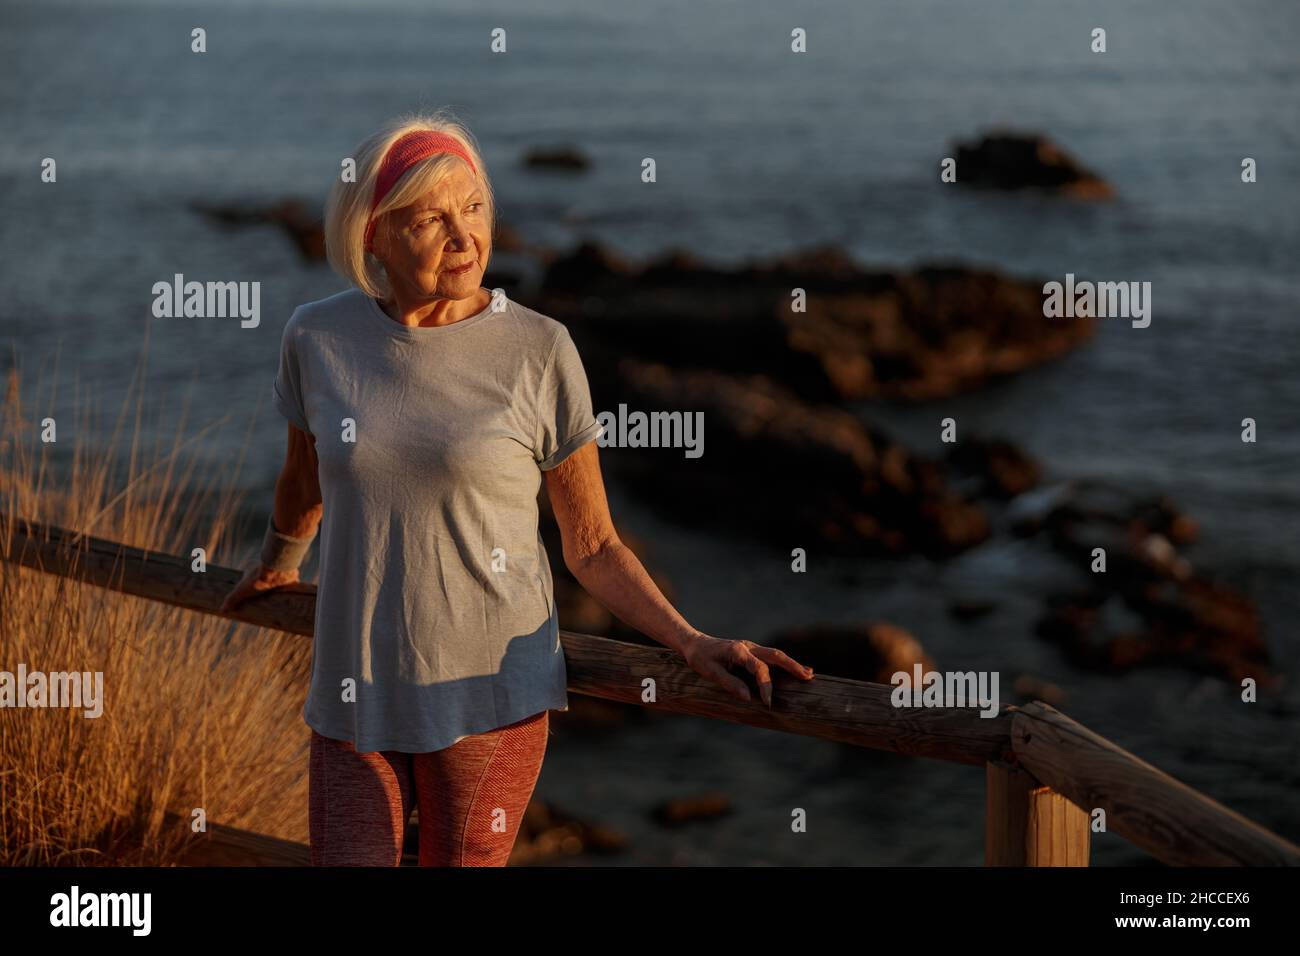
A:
[298,511]
[298,506]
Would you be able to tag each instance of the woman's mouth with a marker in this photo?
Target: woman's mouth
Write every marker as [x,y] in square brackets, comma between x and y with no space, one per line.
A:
[463,269]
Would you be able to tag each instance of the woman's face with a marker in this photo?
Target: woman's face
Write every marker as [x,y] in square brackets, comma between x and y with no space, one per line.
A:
[421,244]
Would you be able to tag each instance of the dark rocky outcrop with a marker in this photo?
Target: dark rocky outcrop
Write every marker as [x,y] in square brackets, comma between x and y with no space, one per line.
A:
[971,609]
[681,810]
[782,470]
[870,652]
[560,157]
[1027,688]
[924,334]
[548,833]
[1006,159]
[1002,468]
[295,217]
[306,230]
[1150,606]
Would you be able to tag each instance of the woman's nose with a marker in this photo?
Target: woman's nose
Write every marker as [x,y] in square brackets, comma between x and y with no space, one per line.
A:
[460,236]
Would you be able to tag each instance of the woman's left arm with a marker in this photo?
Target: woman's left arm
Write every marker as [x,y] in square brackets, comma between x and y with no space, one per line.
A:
[613,575]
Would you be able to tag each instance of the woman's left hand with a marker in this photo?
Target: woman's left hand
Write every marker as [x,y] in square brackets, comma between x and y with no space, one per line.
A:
[712,656]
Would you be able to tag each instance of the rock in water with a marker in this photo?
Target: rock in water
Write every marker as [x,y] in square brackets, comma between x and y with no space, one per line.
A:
[1003,468]
[779,469]
[560,157]
[929,333]
[1011,160]
[871,652]
[1149,607]
[293,216]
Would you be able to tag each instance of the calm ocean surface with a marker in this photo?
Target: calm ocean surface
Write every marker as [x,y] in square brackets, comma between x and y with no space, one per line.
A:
[759,152]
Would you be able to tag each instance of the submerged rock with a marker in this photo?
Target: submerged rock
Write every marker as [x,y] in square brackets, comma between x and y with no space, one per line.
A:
[1005,159]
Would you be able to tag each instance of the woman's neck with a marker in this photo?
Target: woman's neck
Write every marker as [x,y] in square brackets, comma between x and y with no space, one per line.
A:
[433,312]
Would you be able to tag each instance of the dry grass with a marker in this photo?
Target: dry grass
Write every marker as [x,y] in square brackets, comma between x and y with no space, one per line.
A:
[197,712]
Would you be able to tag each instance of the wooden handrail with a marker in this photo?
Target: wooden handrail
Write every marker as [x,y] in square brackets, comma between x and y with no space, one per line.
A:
[1173,822]
[831,708]
[230,846]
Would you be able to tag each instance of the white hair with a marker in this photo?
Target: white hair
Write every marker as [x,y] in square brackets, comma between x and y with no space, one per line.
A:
[347,210]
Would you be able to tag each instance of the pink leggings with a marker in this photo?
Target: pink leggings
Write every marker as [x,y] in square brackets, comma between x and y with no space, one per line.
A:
[472,796]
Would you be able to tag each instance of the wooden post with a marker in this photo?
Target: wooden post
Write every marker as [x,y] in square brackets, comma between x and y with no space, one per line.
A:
[1171,821]
[1028,824]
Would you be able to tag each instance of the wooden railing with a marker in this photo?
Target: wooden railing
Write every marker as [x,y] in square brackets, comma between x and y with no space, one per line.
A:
[1045,774]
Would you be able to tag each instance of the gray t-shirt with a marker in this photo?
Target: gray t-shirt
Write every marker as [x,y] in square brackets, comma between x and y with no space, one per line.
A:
[434,612]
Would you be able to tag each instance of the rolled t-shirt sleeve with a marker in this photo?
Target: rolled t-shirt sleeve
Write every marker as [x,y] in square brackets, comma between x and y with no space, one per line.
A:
[287,387]
[565,421]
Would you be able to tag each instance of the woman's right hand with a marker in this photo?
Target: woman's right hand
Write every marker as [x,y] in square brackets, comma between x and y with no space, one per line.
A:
[256,581]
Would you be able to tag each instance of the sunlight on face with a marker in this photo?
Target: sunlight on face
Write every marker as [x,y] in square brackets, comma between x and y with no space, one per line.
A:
[446,228]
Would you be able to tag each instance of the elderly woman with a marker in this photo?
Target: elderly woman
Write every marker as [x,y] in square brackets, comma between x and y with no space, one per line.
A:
[424,410]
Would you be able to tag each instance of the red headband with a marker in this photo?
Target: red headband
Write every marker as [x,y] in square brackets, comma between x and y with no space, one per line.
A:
[414,147]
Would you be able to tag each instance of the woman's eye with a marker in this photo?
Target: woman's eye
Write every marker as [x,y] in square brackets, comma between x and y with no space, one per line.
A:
[433,219]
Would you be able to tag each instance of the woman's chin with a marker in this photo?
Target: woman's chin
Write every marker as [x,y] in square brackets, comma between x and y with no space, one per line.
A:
[465,283]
